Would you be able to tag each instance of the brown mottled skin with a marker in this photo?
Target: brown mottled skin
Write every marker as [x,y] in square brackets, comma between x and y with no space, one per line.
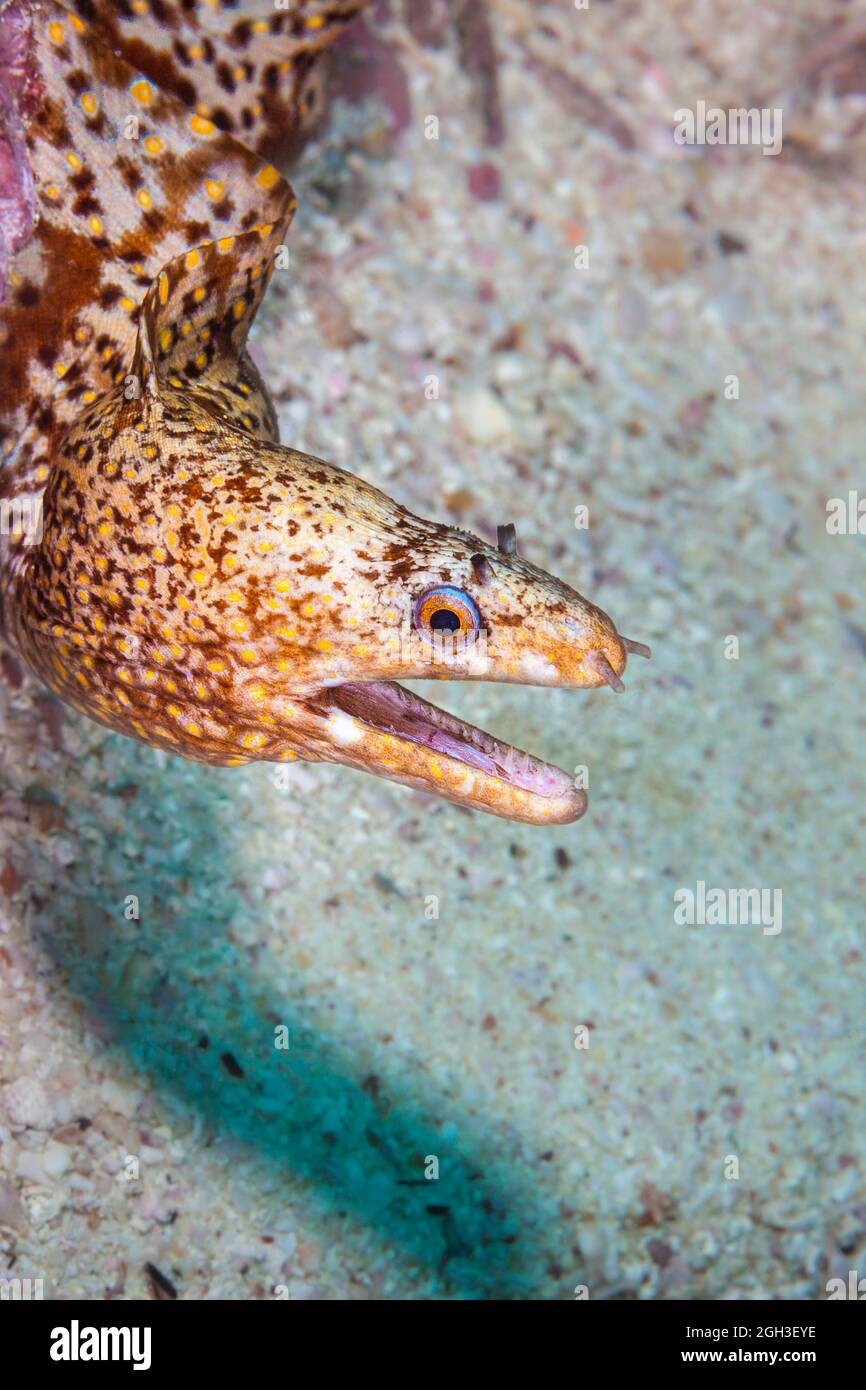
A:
[197,585]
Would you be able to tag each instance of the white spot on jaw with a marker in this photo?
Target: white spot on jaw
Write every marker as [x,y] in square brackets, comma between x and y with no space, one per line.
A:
[344,729]
[538,670]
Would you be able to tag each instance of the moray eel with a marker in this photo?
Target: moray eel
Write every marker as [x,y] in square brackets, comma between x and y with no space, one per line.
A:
[169,568]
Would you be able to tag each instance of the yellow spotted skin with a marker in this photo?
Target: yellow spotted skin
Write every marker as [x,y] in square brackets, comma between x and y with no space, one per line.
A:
[126,178]
[195,584]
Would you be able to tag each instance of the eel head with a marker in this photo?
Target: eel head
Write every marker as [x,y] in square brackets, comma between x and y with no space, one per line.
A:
[409,599]
[265,605]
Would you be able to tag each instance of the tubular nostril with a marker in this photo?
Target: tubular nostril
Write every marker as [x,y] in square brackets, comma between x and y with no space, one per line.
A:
[599,662]
[636,648]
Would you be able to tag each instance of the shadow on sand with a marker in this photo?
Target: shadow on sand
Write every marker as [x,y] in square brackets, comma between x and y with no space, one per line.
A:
[178,994]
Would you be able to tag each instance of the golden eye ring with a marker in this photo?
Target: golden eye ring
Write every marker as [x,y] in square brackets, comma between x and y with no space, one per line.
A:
[445,611]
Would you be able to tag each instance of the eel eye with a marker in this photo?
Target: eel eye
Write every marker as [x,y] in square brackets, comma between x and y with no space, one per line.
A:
[446,610]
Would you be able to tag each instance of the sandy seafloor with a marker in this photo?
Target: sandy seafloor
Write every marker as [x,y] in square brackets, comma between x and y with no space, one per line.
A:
[302,1171]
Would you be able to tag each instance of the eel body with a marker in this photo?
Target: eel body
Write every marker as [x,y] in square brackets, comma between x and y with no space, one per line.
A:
[167,567]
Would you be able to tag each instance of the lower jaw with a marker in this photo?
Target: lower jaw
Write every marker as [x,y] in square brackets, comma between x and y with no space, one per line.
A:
[499,778]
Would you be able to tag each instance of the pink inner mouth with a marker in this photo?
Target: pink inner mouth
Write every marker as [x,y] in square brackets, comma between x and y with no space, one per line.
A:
[387,706]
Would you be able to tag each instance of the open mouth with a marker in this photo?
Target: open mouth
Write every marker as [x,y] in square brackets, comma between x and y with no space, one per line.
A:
[409,740]
[388,707]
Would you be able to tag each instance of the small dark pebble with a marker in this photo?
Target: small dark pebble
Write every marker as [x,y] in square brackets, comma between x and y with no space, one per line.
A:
[557,347]
[11,671]
[160,1286]
[9,880]
[510,340]
[50,713]
[36,795]
[660,1253]
[427,21]
[231,1064]
[857,637]
[387,885]
[730,245]
[484,182]
[478,58]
